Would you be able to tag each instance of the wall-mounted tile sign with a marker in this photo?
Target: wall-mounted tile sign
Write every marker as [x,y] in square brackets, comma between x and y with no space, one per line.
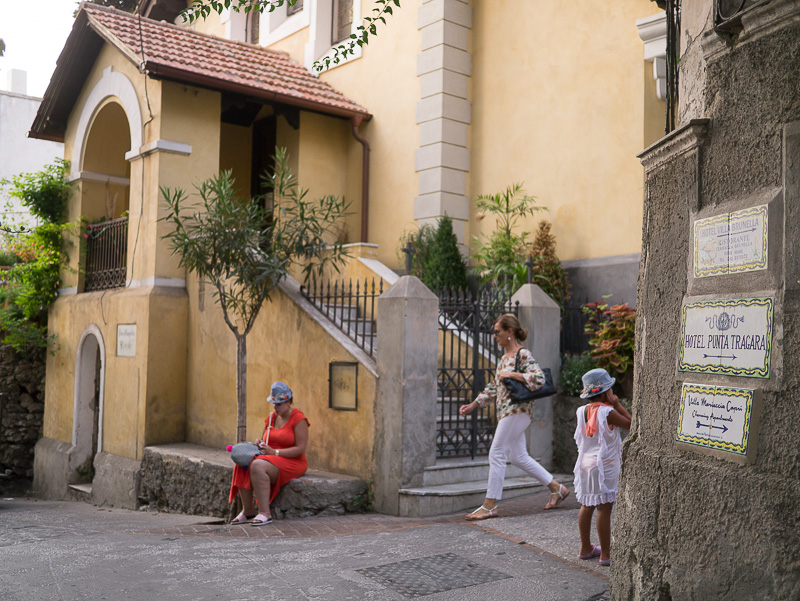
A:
[727,336]
[126,340]
[716,417]
[731,242]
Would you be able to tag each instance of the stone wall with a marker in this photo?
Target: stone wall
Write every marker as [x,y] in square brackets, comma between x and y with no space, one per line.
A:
[690,524]
[21,411]
[192,479]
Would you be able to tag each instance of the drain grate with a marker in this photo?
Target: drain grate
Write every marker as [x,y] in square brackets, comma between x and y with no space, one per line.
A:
[434,574]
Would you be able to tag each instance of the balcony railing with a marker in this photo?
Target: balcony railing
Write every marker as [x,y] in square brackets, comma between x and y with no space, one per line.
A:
[350,308]
[106,254]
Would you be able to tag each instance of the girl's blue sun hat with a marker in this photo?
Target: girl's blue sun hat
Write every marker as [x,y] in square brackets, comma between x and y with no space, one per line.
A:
[596,381]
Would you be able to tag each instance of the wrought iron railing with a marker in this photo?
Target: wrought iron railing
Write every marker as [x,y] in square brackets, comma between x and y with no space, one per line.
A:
[468,354]
[573,339]
[349,307]
[106,255]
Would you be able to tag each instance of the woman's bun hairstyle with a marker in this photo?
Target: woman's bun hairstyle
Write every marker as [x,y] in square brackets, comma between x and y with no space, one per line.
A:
[509,321]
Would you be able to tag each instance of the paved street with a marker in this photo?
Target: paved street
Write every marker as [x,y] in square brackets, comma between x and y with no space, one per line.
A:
[75,551]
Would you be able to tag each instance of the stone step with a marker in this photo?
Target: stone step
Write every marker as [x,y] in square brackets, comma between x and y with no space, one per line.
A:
[457,470]
[194,479]
[81,492]
[449,498]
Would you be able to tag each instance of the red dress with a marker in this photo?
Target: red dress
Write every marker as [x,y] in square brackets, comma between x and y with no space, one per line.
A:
[288,467]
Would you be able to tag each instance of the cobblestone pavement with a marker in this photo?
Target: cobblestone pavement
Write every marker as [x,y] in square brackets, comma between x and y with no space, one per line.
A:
[61,550]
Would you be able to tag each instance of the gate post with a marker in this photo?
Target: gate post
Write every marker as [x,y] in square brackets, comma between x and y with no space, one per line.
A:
[405,411]
[540,315]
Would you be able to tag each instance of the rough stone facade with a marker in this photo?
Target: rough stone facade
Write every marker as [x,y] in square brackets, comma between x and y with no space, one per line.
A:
[689,525]
[21,411]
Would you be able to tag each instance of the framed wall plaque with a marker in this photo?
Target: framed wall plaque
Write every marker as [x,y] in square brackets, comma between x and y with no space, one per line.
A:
[343,385]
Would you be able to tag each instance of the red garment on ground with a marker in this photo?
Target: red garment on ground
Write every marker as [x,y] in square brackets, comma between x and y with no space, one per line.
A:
[288,467]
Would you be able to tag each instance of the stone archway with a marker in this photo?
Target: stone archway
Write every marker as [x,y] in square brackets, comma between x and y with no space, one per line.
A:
[87,420]
[112,85]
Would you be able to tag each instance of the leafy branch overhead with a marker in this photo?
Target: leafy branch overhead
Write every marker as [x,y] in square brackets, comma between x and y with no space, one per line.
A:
[201,9]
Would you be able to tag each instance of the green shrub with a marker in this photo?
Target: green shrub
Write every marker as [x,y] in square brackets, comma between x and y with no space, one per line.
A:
[445,267]
[547,271]
[499,256]
[7,258]
[572,369]
[45,192]
[612,332]
[421,244]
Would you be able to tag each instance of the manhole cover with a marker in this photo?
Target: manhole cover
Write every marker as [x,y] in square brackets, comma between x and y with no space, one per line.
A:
[434,574]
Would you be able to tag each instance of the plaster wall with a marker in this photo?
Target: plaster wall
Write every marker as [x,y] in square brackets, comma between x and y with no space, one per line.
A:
[690,525]
[384,81]
[562,112]
[284,345]
[142,398]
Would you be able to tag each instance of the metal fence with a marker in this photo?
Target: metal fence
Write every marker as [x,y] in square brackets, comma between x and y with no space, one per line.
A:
[573,339]
[468,355]
[350,308]
[106,254]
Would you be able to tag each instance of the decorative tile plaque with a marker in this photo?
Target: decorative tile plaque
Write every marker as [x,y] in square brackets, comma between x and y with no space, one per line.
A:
[716,417]
[727,336]
[731,242]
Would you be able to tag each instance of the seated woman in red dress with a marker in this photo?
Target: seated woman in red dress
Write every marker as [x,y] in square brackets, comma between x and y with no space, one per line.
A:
[284,447]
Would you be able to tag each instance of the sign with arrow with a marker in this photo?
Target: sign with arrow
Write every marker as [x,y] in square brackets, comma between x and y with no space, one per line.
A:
[731,242]
[727,336]
[716,417]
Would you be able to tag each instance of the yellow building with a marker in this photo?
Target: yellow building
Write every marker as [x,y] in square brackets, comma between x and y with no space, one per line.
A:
[454,98]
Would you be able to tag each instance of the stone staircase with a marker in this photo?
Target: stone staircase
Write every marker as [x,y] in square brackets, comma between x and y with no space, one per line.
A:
[454,485]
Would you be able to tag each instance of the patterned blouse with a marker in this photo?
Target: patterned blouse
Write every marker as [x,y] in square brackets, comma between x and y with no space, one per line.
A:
[495,391]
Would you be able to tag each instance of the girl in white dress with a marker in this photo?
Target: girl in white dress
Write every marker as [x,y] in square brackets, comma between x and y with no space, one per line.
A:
[599,455]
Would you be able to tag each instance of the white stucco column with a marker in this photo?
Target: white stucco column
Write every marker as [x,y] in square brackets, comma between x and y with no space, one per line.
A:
[443,113]
[653,32]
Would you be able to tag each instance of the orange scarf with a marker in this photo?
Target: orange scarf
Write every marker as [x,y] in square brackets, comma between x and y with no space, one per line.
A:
[591,421]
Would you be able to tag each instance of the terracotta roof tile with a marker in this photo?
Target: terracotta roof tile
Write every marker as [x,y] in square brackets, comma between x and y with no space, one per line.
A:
[174,52]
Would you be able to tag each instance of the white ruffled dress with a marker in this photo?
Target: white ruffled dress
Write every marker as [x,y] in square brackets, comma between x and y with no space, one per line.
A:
[599,460]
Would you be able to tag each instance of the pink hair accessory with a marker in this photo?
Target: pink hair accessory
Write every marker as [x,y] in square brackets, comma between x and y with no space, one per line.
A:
[229,448]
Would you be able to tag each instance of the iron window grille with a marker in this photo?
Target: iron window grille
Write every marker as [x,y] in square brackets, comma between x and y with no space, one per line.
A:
[106,255]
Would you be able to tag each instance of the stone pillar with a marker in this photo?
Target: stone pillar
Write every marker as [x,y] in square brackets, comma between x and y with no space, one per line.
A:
[443,113]
[405,411]
[540,315]
[707,501]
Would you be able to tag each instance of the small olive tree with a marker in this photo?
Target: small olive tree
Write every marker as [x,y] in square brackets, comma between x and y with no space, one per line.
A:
[245,251]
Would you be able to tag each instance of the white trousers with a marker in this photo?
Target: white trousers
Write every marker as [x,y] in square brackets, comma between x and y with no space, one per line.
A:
[509,445]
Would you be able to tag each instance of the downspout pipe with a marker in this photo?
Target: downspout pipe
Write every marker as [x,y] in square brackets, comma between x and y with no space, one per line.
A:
[356,121]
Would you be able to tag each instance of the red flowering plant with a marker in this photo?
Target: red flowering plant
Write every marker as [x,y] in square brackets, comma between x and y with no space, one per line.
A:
[612,332]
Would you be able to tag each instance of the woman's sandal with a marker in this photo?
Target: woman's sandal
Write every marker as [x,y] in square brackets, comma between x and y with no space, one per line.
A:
[557,497]
[242,518]
[595,552]
[261,520]
[604,562]
[473,517]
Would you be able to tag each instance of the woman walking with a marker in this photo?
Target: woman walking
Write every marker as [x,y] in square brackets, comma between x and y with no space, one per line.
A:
[512,419]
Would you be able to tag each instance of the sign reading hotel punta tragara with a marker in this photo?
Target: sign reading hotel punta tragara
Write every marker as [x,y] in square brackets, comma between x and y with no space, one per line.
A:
[716,417]
[727,336]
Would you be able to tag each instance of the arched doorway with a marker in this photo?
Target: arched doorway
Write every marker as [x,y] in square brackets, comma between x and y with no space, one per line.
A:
[88,406]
